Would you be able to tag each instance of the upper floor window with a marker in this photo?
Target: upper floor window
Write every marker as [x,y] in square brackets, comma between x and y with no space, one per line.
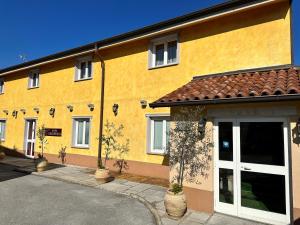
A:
[84,69]
[2,130]
[1,86]
[81,132]
[163,51]
[34,79]
[158,133]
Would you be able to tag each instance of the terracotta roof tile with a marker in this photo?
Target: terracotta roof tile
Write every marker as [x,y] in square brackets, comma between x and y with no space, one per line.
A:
[263,84]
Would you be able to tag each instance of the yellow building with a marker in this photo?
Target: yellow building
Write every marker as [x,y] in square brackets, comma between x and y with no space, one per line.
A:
[63,91]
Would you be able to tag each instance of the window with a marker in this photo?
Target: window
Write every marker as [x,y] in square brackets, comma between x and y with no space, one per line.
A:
[81,132]
[1,86]
[164,51]
[34,78]
[2,130]
[158,134]
[84,69]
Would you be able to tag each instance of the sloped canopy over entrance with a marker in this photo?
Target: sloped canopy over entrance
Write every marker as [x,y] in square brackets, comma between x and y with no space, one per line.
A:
[277,84]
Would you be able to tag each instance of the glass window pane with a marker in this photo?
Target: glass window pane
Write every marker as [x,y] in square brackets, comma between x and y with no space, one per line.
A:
[2,129]
[159,53]
[87,132]
[82,70]
[1,86]
[262,143]
[35,80]
[28,150]
[226,186]
[89,69]
[258,192]
[225,141]
[79,132]
[172,52]
[30,129]
[158,135]
[168,132]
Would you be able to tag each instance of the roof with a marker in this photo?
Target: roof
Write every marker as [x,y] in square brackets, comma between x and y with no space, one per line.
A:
[281,83]
[220,8]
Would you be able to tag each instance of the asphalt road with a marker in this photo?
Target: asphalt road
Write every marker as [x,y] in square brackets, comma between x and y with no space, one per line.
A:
[33,200]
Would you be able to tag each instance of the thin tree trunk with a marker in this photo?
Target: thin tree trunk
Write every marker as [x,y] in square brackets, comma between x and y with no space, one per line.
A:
[182,170]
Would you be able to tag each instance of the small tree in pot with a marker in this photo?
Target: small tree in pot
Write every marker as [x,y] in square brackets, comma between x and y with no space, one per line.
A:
[110,142]
[189,152]
[42,162]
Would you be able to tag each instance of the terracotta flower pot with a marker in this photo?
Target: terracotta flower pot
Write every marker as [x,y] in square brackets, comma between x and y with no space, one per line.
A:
[2,155]
[103,175]
[41,165]
[175,204]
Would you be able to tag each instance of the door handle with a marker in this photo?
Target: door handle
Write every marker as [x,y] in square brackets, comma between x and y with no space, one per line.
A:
[246,168]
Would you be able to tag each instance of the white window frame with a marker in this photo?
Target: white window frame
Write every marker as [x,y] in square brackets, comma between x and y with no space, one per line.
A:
[3,121]
[85,60]
[152,51]
[75,134]
[2,86]
[30,79]
[150,133]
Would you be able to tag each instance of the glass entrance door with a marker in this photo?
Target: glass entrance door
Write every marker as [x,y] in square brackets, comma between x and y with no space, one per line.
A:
[30,133]
[252,169]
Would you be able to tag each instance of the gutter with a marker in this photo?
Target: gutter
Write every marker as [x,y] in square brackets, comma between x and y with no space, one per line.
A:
[99,160]
[273,98]
[148,31]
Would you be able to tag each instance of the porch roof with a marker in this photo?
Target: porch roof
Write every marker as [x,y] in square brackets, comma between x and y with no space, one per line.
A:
[265,84]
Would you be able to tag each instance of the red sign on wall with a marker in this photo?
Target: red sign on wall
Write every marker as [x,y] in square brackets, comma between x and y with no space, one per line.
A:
[56,132]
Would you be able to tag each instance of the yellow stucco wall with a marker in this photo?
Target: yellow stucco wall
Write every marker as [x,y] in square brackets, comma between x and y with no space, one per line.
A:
[254,38]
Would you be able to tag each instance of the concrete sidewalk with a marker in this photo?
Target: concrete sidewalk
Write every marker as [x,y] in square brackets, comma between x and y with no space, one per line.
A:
[151,195]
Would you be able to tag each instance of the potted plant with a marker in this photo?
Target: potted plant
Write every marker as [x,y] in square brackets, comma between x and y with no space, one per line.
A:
[189,152]
[122,150]
[110,143]
[41,161]
[62,154]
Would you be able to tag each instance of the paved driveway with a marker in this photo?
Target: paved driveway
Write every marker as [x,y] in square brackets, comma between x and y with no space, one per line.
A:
[33,200]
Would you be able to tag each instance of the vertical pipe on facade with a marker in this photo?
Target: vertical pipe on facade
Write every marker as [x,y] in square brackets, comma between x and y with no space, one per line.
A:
[99,161]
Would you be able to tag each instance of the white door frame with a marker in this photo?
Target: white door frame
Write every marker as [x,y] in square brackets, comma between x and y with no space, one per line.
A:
[236,209]
[33,135]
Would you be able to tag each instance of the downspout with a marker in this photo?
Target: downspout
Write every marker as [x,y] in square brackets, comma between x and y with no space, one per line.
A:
[99,160]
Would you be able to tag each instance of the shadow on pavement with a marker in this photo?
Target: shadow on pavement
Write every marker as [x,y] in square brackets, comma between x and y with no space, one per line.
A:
[14,167]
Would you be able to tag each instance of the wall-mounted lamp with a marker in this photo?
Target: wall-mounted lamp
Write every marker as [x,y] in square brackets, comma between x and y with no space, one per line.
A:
[15,113]
[5,111]
[70,108]
[143,103]
[201,126]
[115,109]
[91,107]
[23,111]
[52,112]
[37,110]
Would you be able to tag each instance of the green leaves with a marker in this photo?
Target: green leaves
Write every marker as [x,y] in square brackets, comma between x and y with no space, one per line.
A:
[110,141]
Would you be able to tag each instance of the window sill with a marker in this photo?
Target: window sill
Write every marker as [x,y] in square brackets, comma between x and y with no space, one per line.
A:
[2,93]
[162,66]
[81,147]
[29,88]
[156,153]
[90,78]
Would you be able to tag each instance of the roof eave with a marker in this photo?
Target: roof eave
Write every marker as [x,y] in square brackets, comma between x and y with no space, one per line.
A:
[273,98]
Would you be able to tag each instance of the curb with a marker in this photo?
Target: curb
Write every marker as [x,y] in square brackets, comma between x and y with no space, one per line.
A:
[134,196]
[150,207]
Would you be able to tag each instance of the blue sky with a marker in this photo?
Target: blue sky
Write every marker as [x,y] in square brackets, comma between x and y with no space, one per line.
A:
[38,28]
